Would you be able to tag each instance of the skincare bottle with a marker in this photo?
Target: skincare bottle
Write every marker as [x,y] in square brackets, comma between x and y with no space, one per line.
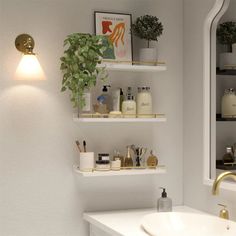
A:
[129,105]
[116,100]
[144,102]
[121,98]
[164,204]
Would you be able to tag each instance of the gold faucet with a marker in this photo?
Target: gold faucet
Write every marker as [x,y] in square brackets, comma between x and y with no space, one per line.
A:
[215,190]
[218,180]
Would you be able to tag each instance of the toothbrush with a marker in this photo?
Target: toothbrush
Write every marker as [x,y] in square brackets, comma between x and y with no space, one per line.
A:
[84,144]
[78,145]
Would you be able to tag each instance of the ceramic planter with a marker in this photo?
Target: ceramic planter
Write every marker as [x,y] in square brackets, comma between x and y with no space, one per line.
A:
[148,56]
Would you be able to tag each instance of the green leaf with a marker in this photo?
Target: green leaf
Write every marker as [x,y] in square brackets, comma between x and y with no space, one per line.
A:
[63,89]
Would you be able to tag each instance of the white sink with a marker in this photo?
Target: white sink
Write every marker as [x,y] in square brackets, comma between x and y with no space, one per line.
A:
[187,224]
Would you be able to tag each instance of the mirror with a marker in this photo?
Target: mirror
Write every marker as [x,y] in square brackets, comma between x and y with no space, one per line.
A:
[219,91]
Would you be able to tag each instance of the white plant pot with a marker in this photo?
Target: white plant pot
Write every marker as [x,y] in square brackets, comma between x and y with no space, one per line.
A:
[148,56]
[227,58]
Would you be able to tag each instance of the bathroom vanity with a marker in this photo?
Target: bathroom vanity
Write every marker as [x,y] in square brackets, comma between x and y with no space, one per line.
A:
[125,223]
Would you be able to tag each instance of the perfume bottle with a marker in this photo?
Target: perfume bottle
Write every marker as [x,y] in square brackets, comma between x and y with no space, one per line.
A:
[128,162]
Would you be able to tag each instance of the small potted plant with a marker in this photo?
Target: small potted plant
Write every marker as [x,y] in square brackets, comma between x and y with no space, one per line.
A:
[83,52]
[226,36]
[149,28]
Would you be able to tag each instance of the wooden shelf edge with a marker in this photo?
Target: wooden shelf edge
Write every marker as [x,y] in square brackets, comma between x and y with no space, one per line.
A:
[132,172]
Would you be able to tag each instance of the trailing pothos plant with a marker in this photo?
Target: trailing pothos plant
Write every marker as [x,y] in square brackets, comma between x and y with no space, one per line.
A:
[83,52]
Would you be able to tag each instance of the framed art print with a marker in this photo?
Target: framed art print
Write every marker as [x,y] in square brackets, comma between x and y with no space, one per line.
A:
[117,29]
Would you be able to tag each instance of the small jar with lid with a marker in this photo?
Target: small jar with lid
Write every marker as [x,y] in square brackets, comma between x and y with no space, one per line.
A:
[102,165]
[103,162]
[144,102]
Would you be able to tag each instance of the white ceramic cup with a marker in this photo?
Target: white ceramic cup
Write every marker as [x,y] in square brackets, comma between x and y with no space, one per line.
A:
[86,161]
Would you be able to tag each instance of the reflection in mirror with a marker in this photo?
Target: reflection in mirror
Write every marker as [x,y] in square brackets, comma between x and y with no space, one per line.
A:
[223,98]
[213,48]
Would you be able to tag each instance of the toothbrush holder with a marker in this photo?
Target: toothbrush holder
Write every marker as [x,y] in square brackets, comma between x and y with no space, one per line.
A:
[86,161]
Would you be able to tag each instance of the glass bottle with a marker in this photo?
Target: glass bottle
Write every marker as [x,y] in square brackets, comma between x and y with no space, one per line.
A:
[87,108]
[228,156]
[128,161]
[129,105]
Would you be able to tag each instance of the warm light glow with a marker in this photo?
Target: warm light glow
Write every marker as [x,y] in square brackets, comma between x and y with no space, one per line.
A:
[29,69]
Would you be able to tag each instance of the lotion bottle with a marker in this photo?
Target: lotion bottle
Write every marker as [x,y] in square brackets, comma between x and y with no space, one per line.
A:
[164,204]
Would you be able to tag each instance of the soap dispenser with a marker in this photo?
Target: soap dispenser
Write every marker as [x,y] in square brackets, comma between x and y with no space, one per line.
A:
[164,204]
[105,98]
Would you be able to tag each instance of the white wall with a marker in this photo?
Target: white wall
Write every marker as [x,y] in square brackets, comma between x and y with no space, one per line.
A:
[39,193]
[195,193]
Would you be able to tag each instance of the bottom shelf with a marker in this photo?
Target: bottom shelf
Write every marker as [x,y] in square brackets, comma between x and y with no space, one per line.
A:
[158,170]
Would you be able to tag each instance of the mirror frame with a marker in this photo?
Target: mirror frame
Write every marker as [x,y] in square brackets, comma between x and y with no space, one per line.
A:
[209,68]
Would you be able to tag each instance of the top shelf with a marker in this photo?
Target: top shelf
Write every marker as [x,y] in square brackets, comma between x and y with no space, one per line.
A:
[134,68]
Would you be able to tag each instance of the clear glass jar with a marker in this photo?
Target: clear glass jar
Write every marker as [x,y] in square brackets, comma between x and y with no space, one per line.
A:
[144,102]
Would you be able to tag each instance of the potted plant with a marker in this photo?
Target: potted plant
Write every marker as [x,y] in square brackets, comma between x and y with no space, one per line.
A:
[226,36]
[149,28]
[83,52]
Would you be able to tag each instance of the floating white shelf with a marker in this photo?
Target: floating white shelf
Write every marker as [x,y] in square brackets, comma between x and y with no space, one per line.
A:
[134,68]
[119,120]
[158,170]
[160,118]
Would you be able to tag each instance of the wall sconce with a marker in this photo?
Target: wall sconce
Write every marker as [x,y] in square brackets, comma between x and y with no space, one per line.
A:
[29,67]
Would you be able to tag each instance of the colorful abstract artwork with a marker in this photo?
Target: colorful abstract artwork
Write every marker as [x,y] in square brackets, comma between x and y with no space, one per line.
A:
[116,28]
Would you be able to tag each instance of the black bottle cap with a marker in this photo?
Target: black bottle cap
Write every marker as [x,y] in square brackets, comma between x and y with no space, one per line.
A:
[164,193]
[105,88]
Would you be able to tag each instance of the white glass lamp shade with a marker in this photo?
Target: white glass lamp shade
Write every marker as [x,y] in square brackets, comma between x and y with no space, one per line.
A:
[29,68]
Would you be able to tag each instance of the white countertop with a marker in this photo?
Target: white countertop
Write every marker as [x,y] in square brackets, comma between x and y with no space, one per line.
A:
[124,223]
